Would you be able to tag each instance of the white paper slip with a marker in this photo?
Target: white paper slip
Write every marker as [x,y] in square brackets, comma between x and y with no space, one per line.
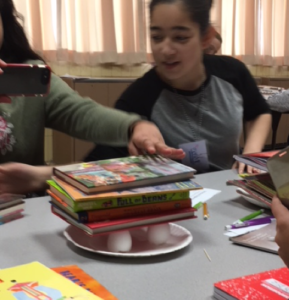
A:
[202,195]
[243,230]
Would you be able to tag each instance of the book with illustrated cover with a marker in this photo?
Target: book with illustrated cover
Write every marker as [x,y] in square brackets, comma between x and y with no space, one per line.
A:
[260,239]
[35,281]
[79,277]
[269,285]
[121,224]
[123,173]
[121,212]
[80,201]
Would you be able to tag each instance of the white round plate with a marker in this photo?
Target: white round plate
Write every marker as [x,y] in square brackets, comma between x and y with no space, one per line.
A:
[179,238]
[252,200]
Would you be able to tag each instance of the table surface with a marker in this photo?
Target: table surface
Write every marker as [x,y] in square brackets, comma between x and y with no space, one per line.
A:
[185,274]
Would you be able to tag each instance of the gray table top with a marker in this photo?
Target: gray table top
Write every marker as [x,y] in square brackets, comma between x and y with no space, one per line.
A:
[185,274]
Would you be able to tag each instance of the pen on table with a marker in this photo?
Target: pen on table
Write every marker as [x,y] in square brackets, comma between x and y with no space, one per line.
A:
[205,211]
[198,205]
[254,222]
[250,216]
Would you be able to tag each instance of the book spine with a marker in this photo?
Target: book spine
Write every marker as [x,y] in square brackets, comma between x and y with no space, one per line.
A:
[128,201]
[132,211]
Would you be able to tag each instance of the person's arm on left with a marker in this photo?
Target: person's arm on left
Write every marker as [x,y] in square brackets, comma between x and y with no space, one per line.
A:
[18,178]
[83,118]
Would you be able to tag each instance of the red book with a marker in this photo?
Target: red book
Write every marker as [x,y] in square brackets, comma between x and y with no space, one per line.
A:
[127,223]
[269,285]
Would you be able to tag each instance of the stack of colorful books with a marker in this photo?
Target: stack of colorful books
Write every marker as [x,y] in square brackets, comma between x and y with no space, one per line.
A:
[11,207]
[272,179]
[258,187]
[117,194]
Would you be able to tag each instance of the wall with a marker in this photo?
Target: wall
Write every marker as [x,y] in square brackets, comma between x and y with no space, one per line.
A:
[138,70]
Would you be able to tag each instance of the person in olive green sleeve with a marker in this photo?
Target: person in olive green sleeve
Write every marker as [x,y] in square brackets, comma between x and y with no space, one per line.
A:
[24,119]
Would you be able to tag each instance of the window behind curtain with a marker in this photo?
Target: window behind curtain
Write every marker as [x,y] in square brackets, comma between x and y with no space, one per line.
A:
[91,32]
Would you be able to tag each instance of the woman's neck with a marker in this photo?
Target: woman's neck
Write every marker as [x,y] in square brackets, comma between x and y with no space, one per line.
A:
[189,82]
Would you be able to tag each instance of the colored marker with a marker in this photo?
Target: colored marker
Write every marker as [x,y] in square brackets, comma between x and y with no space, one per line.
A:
[198,205]
[248,223]
[250,216]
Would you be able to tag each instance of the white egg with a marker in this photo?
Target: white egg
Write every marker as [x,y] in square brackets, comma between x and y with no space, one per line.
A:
[119,241]
[158,234]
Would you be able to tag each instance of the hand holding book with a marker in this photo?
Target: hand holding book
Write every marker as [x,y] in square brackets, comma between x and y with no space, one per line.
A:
[281,214]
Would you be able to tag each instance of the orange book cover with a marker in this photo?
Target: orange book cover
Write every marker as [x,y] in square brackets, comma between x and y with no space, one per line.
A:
[79,277]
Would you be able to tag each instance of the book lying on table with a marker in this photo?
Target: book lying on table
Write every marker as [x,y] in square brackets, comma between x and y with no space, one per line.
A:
[261,239]
[35,281]
[79,277]
[11,216]
[269,285]
[120,212]
[8,200]
[119,224]
[79,201]
[12,209]
[251,191]
[123,173]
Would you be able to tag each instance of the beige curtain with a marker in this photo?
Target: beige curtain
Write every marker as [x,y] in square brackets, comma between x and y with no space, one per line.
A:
[91,32]
[86,32]
[255,31]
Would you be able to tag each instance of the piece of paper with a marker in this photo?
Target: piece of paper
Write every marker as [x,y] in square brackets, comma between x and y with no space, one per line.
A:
[202,195]
[196,155]
[243,230]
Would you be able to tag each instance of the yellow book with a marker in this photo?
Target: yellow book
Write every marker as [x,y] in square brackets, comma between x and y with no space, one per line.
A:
[34,281]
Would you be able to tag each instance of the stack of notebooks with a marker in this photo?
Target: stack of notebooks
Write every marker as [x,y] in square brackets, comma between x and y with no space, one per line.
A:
[116,194]
[11,207]
[259,187]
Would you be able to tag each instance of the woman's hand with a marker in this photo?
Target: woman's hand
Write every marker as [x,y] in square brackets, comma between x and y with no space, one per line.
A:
[17,178]
[2,64]
[242,168]
[146,138]
[281,214]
